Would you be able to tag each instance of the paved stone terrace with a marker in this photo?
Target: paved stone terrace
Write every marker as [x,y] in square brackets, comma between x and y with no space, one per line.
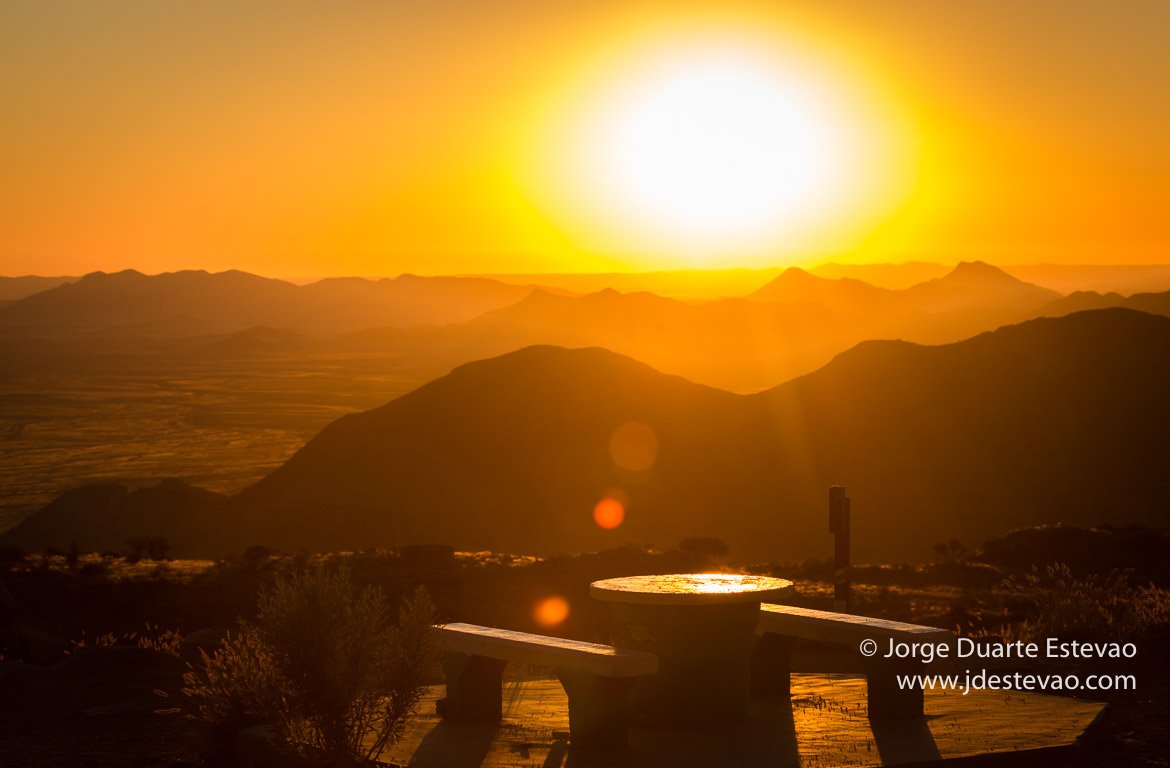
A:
[826,725]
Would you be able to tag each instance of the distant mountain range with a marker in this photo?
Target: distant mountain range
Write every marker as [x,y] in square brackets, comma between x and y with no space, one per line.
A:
[969,286]
[1049,420]
[1064,278]
[14,288]
[791,325]
[1058,419]
[192,301]
[1154,303]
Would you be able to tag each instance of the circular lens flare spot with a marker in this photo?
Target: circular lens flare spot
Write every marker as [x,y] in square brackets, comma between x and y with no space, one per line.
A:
[609,513]
[633,446]
[551,611]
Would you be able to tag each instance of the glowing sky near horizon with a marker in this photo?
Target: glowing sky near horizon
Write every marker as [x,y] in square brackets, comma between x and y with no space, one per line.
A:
[372,137]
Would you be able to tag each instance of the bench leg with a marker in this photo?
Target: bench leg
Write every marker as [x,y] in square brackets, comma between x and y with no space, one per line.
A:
[886,699]
[598,708]
[474,687]
[772,665]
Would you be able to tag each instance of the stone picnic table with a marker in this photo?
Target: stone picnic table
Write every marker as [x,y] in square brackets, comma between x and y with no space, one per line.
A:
[701,626]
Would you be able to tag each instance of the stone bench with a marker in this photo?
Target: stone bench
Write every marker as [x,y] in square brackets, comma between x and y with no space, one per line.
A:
[781,625]
[596,678]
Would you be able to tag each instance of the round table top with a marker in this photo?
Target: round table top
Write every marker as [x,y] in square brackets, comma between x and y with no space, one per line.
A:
[691,589]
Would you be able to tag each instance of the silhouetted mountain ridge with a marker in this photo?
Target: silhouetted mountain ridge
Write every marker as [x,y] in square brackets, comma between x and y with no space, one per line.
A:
[104,516]
[1050,420]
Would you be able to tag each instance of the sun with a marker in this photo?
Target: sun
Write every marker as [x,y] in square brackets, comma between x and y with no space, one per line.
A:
[738,149]
[715,150]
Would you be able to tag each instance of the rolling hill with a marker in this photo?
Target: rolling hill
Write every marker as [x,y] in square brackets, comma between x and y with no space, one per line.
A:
[1051,420]
[104,516]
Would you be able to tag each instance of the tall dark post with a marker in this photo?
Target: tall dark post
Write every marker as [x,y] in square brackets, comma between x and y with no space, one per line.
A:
[839,527]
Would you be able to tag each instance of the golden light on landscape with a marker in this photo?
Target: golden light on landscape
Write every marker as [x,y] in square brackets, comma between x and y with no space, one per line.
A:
[551,611]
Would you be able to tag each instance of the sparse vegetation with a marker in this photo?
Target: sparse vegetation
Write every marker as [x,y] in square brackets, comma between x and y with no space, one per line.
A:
[111,601]
[1093,607]
[324,664]
[151,637]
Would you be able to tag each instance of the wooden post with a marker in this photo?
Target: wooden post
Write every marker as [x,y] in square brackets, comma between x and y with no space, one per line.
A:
[839,527]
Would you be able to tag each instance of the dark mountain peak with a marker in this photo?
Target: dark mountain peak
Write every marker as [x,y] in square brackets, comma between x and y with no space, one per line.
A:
[104,516]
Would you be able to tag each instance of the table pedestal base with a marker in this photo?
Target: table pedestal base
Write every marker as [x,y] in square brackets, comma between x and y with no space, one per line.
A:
[704,652]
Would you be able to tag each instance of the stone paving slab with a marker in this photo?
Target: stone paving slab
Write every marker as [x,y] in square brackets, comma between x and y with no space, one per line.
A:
[824,725]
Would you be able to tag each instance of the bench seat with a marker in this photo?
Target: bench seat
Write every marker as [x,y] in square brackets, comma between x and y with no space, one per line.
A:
[545,651]
[596,678]
[781,625]
[830,627]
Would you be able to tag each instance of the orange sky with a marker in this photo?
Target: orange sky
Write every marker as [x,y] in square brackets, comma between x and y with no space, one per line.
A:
[288,137]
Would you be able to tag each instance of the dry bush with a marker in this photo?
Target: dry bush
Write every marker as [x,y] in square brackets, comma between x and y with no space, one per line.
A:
[229,689]
[325,664]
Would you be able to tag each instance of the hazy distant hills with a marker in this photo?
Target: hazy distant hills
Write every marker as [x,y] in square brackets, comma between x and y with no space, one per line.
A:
[840,294]
[14,288]
[1064,278]
[1051,420]
[1116,278]
[1154,303]
[235,300]
[969,286]
[792,325]
[731,343]
[893,276]
[685,284]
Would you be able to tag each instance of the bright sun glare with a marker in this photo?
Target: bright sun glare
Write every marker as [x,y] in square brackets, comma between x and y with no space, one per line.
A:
[715,149]
[737,148]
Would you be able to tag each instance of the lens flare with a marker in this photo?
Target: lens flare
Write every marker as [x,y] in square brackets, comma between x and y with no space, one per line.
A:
[609,513]
[633,446]
[551,611]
